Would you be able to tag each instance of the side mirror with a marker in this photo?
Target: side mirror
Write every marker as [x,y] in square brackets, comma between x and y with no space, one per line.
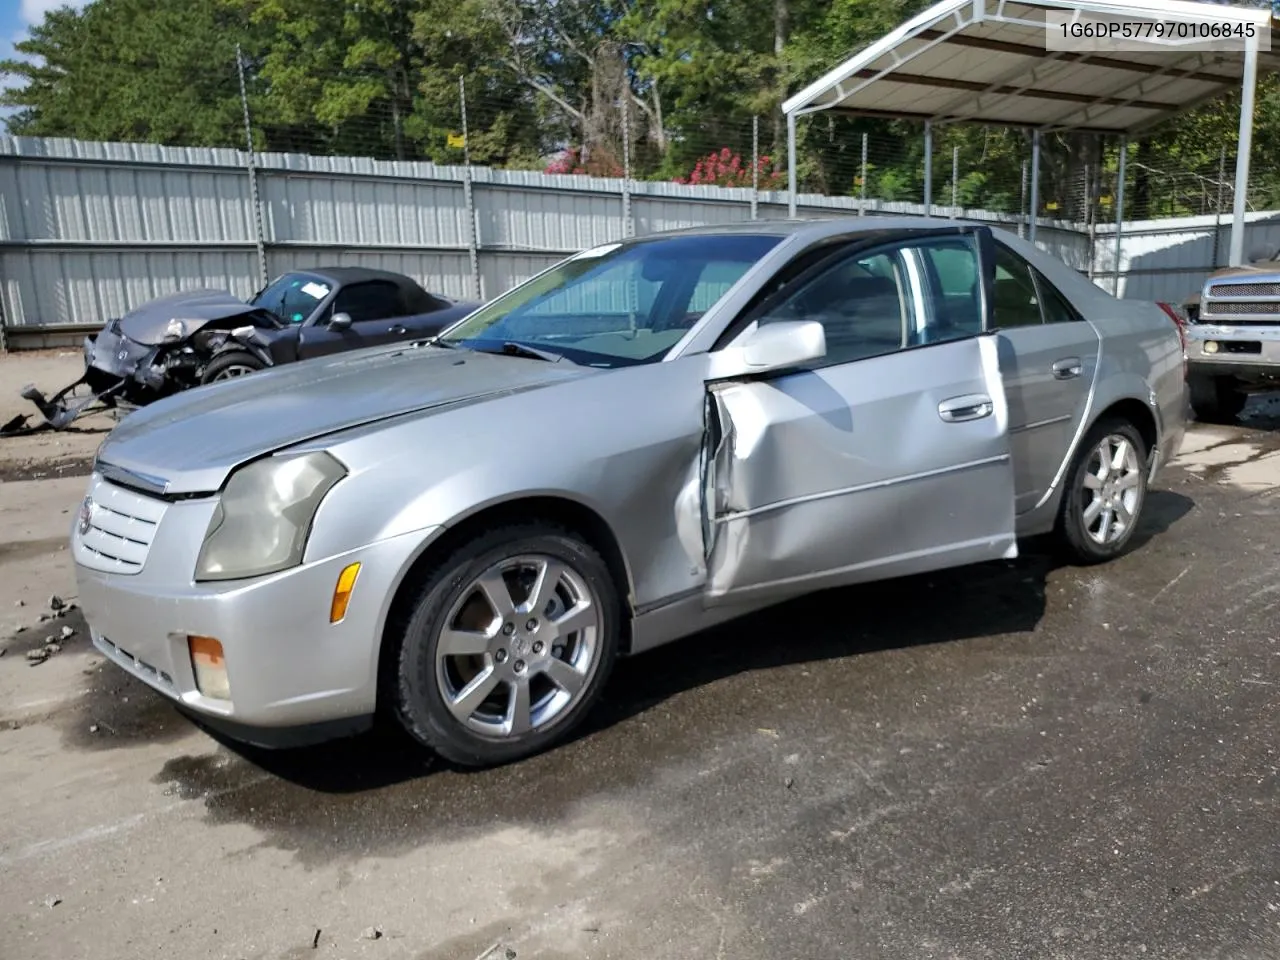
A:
[340,322]
[774,346]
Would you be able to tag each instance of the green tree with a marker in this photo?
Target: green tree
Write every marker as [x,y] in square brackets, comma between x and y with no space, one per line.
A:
[131,70]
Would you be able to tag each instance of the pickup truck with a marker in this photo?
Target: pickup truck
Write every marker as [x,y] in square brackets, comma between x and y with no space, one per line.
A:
[1232,338]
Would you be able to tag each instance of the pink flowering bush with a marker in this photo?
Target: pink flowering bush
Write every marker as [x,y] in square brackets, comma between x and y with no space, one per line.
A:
[597,166]
[727,169]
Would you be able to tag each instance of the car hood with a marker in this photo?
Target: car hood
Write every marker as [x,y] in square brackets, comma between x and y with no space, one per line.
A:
[1249,270]
[190,442]
[192,309]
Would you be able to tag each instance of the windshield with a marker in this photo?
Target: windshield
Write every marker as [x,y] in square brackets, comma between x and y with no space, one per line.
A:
[293,297]
[616,305]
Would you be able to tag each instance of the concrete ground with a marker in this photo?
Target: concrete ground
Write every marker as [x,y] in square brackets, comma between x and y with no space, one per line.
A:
[1016,760]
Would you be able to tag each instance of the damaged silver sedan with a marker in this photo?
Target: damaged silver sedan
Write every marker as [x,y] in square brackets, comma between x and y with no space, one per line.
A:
[644,440]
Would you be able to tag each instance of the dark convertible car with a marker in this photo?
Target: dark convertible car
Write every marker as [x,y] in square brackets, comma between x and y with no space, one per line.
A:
[334,309]
[201,336]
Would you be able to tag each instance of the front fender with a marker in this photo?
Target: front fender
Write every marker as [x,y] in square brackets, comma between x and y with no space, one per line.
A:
[247,344]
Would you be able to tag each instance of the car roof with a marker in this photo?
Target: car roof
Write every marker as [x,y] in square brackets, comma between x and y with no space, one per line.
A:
[818,227]
[345,275]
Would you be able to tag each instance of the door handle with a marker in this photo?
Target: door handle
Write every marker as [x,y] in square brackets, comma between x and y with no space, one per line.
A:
[398,329]
[975,406]
[1067,368]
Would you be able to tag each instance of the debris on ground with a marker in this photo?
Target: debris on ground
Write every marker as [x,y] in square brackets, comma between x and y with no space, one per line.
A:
[315,941]
[41,654]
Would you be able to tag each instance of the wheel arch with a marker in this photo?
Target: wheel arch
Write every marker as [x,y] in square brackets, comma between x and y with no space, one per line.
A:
[553,508]
[1135,412]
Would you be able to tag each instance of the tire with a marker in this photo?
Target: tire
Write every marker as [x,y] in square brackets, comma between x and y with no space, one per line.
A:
[233,363]
[452,613]
[1080,523]
[1215,399]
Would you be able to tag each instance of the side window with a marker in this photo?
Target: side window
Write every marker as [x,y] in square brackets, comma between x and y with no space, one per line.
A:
[881,301]
[1016,301]
[1056,307]
[956,309]
[373,300]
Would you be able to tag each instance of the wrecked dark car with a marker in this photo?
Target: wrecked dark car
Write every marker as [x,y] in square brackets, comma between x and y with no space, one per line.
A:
[197,337]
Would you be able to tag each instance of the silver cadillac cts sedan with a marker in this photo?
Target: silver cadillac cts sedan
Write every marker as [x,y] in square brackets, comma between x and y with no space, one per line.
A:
[646,439]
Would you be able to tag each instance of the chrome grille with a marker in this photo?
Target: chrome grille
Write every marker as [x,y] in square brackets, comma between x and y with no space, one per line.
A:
[1237,308]
[121,527]
[1245,289]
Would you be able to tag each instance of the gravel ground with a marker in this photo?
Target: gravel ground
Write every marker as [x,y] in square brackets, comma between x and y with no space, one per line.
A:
[1015,760]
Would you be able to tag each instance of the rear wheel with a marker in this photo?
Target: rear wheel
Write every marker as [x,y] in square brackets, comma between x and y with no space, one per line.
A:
[233,363]
[1215,399]
[1105,492]
[509,645]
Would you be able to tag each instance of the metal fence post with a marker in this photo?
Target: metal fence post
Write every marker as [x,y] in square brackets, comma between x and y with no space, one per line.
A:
[468,196]
[1124,155]
[955,182]
[928,168]
[755,167]
[259,237]
[1217,212]
[1035,185]
[1022,203]
[628,228]
[1091,220]
[862,195]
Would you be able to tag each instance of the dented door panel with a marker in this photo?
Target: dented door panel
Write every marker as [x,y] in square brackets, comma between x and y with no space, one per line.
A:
[882,467]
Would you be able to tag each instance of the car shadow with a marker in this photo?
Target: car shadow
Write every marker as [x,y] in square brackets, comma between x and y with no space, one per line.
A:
[1262,412]
[984,600]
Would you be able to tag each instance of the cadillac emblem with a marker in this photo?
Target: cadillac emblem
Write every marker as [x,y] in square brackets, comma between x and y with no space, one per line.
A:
[85,517]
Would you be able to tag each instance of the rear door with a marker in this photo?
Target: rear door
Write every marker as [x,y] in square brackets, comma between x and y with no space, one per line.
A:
[889,456]
[1048,355]
[375,307]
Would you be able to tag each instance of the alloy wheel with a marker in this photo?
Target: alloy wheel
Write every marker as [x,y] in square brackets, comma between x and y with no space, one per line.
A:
[1112,490]
[519,646]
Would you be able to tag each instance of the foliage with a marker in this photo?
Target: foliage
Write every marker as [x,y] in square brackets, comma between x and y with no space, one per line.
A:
[724,168]
[689,87]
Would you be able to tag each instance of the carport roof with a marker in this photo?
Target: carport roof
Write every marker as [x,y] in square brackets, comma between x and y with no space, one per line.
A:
[985,61]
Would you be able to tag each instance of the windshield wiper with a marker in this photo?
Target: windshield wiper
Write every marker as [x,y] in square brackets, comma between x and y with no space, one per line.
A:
[511,348]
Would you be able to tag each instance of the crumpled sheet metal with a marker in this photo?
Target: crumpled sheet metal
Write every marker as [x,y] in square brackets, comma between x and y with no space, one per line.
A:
[850,473]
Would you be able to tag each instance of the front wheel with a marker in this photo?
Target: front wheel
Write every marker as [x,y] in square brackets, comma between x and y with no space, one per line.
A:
[233,363]
[508,646]
[1105,492]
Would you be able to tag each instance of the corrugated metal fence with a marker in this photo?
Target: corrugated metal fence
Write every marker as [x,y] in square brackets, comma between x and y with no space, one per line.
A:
[90,230]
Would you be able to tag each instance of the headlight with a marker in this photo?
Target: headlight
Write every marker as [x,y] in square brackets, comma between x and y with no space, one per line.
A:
[262,521]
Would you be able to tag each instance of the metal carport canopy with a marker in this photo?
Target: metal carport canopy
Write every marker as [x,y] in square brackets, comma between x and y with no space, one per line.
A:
[988,62]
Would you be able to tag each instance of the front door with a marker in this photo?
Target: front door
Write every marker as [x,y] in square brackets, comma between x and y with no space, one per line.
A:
[375,308]
[890,456]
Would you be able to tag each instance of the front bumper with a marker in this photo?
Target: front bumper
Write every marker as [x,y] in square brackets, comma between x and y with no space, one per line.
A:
[287,665]
[1249,352]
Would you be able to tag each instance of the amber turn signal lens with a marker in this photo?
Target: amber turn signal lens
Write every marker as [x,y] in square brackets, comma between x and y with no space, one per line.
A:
[342,593]
[209,667]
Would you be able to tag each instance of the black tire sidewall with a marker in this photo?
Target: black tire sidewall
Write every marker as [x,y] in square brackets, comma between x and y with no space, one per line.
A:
[232,358]
[1076,539]
[1215,399]
[419,702]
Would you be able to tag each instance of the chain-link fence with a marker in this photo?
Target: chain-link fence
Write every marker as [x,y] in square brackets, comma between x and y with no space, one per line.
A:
[618,131]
